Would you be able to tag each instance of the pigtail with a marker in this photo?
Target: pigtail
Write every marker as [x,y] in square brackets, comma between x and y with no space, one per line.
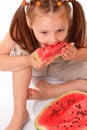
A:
[77,30]
[21,33]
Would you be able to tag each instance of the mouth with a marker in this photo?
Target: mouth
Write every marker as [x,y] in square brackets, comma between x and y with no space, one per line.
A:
[47,44]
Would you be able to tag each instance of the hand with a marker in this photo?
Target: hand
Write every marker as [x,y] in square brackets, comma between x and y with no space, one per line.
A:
[33,63]
[69,52]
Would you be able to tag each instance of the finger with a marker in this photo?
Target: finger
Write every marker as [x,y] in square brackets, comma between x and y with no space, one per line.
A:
[50,61]
[31,92]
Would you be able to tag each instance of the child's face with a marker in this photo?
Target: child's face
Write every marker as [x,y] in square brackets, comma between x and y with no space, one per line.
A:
[51,28]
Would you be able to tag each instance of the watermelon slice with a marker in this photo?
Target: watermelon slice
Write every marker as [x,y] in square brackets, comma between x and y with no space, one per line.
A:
[68,112]
[48,52]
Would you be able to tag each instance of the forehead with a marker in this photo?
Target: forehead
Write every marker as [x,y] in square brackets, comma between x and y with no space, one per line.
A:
[54,19]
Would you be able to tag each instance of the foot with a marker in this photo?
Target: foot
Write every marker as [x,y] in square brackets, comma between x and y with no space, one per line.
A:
[42,91]
[17,123]
[47,90]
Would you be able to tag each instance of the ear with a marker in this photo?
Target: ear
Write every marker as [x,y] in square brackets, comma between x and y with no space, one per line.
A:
[28,21]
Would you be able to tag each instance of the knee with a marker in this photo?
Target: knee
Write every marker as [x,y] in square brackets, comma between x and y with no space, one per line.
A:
[82,81]
[82,84]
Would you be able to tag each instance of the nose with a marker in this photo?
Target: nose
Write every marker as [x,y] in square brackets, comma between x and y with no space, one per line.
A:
[53,39]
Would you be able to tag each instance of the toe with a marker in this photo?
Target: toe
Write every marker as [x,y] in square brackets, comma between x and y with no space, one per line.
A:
[32,94]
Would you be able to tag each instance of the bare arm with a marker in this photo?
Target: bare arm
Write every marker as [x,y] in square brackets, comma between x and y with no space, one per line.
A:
[82,52]
[7,62]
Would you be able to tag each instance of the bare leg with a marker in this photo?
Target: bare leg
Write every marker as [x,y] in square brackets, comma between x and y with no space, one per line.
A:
[51,91]
[20,116]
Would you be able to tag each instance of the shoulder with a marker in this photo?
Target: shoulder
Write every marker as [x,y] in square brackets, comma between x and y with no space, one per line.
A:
[18,51]
[6,44]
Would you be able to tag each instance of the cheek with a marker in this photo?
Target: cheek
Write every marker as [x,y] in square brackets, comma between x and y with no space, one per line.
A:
[40,38]
[63,36]
[36,35]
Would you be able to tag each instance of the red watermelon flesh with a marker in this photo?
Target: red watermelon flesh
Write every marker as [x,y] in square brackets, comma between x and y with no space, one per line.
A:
[77,117]
[49,51]
[68,112]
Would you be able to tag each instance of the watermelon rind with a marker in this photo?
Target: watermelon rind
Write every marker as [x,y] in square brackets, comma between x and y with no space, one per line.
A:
[44,127]
[36,57]
[54,55]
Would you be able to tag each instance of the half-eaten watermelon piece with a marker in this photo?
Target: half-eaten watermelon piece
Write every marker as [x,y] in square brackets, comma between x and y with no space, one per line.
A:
[50,51]
[68,112]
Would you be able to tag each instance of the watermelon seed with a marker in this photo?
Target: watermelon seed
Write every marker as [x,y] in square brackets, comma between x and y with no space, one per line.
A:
[78,106]
[74,122]
[55,112]
[71,112]
[49,106]
[79,113]
[78,118]
[57,102]
[79,125]
[57,126]
[65,121]
[66,127]
[84,113]
[70,125]
[70,101]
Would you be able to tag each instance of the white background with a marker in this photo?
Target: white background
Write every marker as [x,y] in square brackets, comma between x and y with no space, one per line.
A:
[7,9]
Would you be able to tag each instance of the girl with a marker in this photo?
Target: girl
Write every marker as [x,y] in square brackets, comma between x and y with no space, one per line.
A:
[38,23]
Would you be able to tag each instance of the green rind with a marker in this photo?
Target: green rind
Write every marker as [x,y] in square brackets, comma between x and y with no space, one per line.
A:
[36,57]
[43,127]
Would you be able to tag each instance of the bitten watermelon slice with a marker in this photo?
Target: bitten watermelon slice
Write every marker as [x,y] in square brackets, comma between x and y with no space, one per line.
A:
[49,51]
[68,112]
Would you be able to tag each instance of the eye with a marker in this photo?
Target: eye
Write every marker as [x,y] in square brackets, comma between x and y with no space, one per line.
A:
[43,32]
[60,30]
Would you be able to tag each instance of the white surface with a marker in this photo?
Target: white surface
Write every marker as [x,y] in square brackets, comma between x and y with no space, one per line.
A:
[7,8]
[6,102]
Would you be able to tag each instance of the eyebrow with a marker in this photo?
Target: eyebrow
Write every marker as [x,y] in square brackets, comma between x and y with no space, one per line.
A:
[42,30]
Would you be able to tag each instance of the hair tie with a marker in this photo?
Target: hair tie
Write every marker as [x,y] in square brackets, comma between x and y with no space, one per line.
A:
[59,3]
[38,3]
[25,2]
